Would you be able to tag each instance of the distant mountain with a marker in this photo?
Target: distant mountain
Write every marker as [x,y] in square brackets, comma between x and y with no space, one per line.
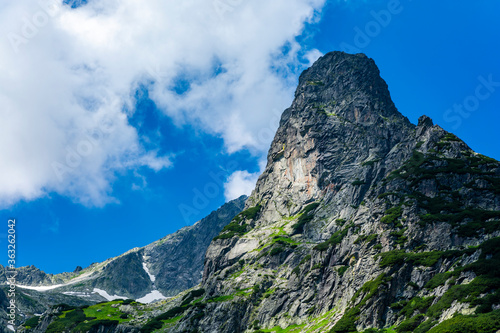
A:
[157,271]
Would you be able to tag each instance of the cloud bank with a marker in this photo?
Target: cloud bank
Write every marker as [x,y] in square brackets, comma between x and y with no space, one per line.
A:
[68,77]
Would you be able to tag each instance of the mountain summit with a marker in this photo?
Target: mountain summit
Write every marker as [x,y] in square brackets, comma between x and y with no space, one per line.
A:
[359,210]
[361,221]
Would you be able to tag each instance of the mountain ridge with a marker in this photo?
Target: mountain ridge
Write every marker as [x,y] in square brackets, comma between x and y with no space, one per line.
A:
[142,273]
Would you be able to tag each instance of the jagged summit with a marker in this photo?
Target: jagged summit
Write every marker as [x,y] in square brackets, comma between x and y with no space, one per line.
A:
[355,204]
[347,85]
[341,118]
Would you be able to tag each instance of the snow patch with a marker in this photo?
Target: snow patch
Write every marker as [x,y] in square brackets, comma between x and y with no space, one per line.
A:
[79,278]
[155,295]
[41,288]
[108,296]
[151,276]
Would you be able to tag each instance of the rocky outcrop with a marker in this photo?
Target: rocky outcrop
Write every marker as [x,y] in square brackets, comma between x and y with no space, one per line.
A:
[33,276]
[354,217]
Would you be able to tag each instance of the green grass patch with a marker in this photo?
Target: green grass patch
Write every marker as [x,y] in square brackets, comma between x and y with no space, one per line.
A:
[251,213]
[236,227]
[486,283]
[416,304]
[32,322]
[341,270]
[77,320]
[276,250]
[440,279]
[464,293]
[392,215]
[305,259]
[277,329]
[315,83]
[218,299]
[283,240]
[420,167]
[366,238]
[409,325]
[105,311]
[94,325]
[192,295]
[450,137]
[347,323]
[399,235]
[428,259]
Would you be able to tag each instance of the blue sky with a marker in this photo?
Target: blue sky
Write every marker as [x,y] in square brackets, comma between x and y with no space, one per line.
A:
[189,107]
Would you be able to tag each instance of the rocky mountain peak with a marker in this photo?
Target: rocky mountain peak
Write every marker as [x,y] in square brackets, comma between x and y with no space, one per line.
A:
[348,85]
[425,121]
[342,118]
[355,205]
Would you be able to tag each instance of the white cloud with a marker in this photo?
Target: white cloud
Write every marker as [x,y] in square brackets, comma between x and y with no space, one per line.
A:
[242,182]
[312,56]
[239,183]
[68,78]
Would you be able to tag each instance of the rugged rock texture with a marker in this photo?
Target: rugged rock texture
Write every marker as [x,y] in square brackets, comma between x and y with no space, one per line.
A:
[32,276]
[177,260]
[356,220]
[360,221]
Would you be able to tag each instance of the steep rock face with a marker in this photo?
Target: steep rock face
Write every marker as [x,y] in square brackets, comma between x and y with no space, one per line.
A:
[177,260]
[357,214]
[342,117]
[341,120]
